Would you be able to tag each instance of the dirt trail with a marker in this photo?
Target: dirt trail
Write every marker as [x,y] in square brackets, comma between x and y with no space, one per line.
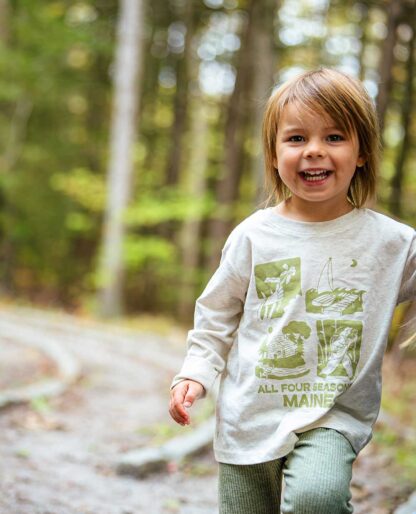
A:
[58,457]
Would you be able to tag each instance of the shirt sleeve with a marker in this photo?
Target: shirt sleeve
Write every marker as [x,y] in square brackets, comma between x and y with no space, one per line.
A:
[408,285]
[217,315]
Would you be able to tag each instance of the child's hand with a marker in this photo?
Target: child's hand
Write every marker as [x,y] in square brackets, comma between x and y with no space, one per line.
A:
[182,396]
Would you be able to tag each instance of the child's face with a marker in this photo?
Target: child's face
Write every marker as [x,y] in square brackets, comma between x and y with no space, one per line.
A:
[316,160]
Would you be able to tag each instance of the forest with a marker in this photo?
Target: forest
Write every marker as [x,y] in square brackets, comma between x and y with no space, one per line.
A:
[202,73]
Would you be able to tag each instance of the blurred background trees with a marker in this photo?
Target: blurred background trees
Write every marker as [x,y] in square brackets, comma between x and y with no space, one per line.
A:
[207,69]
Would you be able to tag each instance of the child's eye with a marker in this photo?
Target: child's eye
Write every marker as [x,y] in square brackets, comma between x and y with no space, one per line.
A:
[296,139]
[335,137]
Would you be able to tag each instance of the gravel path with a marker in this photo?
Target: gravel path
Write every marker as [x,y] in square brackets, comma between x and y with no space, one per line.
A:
[59,455]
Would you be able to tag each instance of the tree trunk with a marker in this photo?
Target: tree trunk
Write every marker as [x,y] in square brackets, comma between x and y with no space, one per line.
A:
[196,187]
[127,70]
[394,13]
[173,164]
[238,108]
[264,68]
[363,24]
[160,17]
[97,114]
[17,132]
[4,21]
[407,106]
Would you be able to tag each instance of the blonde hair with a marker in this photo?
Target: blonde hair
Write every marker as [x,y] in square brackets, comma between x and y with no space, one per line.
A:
[330,93]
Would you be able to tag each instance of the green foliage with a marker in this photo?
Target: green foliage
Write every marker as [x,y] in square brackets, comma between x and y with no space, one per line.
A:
[78,222]
[386,436]
[398,401]
[406,458]
[168,204]
[86,188]
[138,250]
[403,452]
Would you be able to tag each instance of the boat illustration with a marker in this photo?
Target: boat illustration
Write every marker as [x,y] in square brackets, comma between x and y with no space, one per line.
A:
[326,298]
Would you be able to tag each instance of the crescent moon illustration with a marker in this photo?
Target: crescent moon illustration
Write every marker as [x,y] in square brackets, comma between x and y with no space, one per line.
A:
[354,263]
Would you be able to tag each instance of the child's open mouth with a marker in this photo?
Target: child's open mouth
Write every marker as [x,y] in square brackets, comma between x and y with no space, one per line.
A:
[315,176]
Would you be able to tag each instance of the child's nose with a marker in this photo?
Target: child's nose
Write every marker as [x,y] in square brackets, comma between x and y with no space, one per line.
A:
[314,149]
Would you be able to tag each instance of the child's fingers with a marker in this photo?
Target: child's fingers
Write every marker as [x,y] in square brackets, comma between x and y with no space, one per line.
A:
[182,397]
[194,392]
[177,415]
[177,410]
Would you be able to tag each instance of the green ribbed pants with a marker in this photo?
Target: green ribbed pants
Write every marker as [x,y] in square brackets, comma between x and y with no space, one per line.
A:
[317,476]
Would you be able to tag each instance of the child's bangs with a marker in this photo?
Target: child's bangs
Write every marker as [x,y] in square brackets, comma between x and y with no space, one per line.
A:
[321,99]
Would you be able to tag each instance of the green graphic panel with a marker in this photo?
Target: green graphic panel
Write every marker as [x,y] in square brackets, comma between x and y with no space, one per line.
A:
[343,301]
[281,354]
[326,298]
[339,348]
[277,283]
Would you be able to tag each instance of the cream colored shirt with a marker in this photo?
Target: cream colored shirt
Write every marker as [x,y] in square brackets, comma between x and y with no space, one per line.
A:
[295,321]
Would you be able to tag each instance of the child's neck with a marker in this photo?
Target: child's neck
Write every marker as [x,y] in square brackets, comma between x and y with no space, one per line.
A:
[300,212]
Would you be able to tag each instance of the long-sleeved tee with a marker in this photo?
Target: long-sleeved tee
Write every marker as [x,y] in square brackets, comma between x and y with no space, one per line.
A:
[295,320]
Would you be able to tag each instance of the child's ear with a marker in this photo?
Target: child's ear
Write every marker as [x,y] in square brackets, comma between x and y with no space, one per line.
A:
[361,161]
[275,163]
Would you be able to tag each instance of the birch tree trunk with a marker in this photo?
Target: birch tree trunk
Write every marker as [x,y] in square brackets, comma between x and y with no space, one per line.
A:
[127,70]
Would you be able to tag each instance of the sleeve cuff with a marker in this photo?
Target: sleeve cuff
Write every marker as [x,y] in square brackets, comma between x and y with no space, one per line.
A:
[197,369]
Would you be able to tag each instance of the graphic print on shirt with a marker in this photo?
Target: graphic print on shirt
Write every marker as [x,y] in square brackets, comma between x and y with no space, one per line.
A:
[282,353]
[329,299]
[339,348]
[277,283]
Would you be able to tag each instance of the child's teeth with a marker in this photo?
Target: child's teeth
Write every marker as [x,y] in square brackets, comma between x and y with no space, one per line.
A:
[315,175]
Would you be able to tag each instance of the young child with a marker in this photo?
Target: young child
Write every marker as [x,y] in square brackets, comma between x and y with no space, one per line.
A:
[296,317]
